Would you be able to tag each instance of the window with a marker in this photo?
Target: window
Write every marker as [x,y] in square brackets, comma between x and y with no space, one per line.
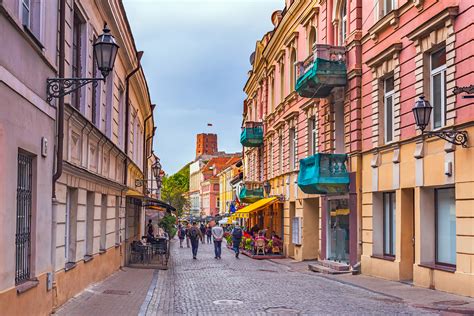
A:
[24,195]
[103,223]
[312,136]
[293,69]
[438,87]
[76,57]
[95,116]
[70,235]
[272,95]
[445,223]
[121,119]
[270,155]
[388,86]
[293,145]
[385,6]
[389,215]
[117,220]
[343,25]
[282,82]
[311,40]
[109,106]
[280,154]
[25,13]
[90,208]
[296,230]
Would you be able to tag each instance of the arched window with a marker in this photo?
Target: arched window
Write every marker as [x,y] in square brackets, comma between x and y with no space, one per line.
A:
[343,24]
[292,69]
[311,40]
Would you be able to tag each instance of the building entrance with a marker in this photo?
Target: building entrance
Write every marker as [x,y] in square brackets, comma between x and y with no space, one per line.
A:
[338,229]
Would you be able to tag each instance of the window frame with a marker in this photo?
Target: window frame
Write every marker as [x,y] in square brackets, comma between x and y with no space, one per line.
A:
[436,209]
[293,145]
[312,136]
[293,70]
[24,6]
[343,24]
[280,153]
[270,158]
[386,96]
[441,70]
[77,56]
[392,224]
[282,81]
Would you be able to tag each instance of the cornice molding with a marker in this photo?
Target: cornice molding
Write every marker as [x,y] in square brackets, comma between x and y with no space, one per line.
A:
[434,23]
[385,55]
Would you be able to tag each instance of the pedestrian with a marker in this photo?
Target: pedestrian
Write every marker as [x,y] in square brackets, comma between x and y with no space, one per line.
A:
[203,231]
[150,230]
[217,234]
[181,235]
[209,233]
[188,226]
[194,235]
[236,239]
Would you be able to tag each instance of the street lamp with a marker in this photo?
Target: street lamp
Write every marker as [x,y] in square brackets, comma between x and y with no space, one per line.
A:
[105,52]
[422,112]
[267,187]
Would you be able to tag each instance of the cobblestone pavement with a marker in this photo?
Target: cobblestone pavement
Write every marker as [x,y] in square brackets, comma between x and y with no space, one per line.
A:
[249,287]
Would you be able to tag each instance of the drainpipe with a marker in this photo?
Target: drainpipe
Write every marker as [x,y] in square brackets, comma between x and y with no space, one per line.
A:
[59,153]
[127,114]
[145,141]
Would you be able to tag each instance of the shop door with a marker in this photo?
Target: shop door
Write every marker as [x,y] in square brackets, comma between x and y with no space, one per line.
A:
[338,229]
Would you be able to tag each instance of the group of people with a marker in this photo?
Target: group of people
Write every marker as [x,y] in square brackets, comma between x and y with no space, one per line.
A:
[193,234]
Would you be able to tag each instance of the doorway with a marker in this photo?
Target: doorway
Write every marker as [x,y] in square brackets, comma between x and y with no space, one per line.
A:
[338,229]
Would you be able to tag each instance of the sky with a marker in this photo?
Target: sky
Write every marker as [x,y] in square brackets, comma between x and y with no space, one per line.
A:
[196,62]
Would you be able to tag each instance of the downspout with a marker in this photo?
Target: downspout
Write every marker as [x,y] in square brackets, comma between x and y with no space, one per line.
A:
[59,153]
[145,141]
[127,114]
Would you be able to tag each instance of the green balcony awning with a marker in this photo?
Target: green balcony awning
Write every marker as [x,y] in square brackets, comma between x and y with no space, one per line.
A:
[321,78]
[250,195]
[324,174]
[252,136]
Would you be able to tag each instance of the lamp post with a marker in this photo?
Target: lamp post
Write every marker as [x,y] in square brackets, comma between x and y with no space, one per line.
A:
[422,112]
[105,51]
[267,187]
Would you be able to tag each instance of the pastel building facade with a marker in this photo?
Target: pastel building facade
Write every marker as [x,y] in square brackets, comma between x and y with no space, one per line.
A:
[77,230]
[417,192]
[316,122]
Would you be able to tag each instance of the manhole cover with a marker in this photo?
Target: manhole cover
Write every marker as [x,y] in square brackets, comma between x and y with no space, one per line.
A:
[228,302]
[282,311]
[450,303]
[116,292]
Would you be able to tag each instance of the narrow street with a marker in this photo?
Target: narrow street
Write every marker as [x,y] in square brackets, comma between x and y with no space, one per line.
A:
[230,286]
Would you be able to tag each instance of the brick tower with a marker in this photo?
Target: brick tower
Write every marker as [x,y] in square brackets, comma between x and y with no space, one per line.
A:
[206,144]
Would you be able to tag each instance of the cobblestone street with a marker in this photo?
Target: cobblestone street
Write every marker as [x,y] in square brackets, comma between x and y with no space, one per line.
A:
[250,287]
[244,286]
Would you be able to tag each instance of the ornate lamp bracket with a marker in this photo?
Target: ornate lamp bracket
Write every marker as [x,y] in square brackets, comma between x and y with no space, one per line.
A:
[59,87]
[452,136]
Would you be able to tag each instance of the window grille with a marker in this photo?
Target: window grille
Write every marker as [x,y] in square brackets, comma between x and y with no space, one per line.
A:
[23,218]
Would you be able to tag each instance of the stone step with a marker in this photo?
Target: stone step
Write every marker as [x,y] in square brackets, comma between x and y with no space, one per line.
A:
[322,269]
[338,266]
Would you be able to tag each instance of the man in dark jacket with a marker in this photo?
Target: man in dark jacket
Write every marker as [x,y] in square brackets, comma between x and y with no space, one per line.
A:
[195,234]
[237,234]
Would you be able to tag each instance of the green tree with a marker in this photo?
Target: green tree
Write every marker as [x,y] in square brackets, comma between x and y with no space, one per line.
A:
[174,188]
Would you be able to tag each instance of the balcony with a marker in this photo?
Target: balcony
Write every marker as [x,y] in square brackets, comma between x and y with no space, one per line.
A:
[252,134]
[250,195]
[324,174]
[321,72]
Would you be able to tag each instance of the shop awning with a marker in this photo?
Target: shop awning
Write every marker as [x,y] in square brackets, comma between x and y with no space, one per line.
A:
[135,194]
[244,212]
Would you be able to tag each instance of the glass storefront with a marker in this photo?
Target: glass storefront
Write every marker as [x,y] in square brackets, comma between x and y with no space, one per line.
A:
[338,229]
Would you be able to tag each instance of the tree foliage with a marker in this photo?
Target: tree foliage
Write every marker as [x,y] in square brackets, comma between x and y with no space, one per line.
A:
[174,188]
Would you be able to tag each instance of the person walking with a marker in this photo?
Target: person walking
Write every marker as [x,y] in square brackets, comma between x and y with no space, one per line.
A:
[188,227]
[236,239]
[194,235]
[181,235]
[203,232]
[209,233]
[217,234]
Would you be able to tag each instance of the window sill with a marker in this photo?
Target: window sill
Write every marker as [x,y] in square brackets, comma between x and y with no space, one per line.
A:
[102,251]
[389,19]
[69,266]
[88,258]
[440,267]
[27,285]
[33,37]
[384,257]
